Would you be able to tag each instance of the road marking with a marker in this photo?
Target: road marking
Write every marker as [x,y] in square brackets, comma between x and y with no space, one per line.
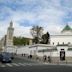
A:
[10,65]
[2,66]
[26,64]
[19,64]
[15,64]
[22,64]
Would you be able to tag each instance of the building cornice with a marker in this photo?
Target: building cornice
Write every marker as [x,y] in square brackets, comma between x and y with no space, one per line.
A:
[60,35]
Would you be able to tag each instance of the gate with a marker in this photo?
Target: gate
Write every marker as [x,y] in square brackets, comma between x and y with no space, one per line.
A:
[62,55]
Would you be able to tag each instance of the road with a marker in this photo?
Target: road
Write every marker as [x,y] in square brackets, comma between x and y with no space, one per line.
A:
[25,65]
[37,68]
[20,61]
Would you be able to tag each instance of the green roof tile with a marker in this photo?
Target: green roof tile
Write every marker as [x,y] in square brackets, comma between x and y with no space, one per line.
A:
[67,28]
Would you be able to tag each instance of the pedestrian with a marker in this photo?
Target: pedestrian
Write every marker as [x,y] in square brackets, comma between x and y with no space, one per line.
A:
[22,54]
[49,59]
[45,58]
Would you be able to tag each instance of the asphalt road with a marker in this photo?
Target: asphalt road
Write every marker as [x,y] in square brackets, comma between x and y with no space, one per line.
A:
[23,60]
[20,61]
[25,65]
[38,68]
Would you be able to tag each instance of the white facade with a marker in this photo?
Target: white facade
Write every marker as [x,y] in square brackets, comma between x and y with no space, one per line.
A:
[65,37]
[23,50]
[68,53]
[61,39]
[10,49]
[57,43]
[60,42]
[40,49]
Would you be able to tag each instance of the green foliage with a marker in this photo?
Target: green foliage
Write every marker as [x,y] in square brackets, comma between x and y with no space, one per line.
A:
[35,40]
[45,38]
[20,41]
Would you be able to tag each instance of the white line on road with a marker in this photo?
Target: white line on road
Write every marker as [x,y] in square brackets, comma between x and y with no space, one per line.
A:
[10,65]
[22,64]
[19,64]
[27,64]
[15,64]
[2,66]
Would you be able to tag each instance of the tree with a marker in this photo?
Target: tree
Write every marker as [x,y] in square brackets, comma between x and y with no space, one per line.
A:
[36,40]
[20,41]
[45,38]
[36,32]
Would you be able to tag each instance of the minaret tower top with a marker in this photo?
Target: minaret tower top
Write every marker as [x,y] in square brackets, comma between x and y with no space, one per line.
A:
[11,24]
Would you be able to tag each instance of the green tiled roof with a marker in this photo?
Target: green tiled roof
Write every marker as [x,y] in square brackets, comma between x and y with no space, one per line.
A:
[47,50]
[62,45]
[67,28]
[69,49]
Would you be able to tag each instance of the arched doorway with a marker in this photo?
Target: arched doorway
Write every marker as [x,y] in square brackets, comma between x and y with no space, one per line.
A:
[62,55]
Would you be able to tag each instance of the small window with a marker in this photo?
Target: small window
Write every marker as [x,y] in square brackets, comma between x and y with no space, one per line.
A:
[53,43]
[58,43]
[69,43]
[63,43]
[62,49]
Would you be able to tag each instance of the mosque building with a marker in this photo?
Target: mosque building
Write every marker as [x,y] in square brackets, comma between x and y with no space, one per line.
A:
[60,47]
[65,37]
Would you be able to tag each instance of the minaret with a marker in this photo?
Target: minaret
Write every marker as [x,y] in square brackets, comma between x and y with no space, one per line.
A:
[9,38]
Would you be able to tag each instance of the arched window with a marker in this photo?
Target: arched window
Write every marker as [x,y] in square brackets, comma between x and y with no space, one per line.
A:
[58,43]
[63,43]
[53,43]
[69,43]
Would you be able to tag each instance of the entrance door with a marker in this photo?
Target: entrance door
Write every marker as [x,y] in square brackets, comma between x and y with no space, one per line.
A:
[62,54]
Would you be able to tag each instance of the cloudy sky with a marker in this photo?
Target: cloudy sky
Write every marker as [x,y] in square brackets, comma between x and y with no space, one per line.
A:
[52,15]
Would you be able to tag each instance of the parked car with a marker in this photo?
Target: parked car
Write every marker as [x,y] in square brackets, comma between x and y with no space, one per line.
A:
[12,55]
[5,57]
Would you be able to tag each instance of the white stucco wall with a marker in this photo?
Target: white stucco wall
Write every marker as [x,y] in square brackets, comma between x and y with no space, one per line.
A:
[60,38]
[34,50]
[10,49]
[67,53]
[23,50]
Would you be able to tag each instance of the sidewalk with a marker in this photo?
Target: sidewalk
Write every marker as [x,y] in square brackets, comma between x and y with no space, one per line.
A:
[45,63]
[58,64]
[28,59]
